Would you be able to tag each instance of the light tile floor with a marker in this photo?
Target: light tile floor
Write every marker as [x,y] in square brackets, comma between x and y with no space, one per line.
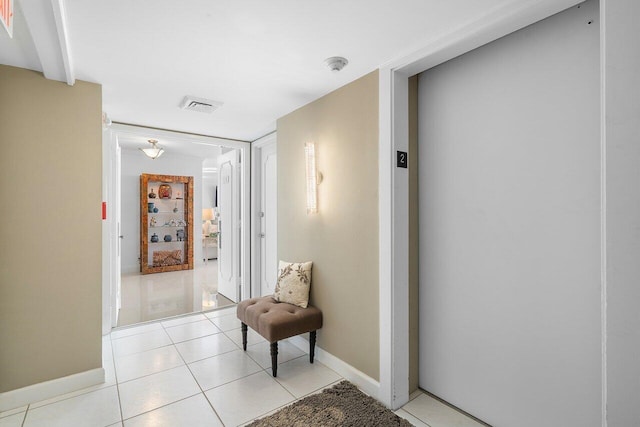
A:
[147,297]
[191,371]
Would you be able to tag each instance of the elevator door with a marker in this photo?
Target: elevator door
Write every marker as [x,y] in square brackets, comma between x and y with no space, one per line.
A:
[509,182]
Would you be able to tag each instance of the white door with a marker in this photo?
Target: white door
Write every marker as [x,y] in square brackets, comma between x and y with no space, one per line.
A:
[229,226]
[117,240]
[268,219]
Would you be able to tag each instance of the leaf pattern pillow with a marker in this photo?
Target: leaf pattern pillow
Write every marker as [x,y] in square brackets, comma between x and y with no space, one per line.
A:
[294,281]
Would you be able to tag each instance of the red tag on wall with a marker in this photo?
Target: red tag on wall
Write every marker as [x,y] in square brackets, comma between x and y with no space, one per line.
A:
[6,15]
[104,210]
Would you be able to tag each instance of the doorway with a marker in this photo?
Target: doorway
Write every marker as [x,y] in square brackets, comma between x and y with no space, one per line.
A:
[153,296]
[265,214]
[228,224]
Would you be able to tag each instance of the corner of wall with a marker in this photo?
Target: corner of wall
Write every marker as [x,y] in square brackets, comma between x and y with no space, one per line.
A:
[342,238]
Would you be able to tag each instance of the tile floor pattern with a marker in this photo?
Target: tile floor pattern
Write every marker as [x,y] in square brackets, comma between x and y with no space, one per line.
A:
[191,371]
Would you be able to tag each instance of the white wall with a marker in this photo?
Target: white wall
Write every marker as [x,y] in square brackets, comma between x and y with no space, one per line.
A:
[134,163]
[509,157]
[621,58]
[209,183]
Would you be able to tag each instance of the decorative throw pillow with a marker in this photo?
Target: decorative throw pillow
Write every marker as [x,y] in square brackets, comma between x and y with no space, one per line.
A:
[294,281]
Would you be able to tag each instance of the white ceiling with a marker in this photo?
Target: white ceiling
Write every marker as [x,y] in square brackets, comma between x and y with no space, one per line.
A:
[263,59]
[207,151]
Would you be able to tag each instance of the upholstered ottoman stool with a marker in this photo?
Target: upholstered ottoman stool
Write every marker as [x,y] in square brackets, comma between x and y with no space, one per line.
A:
[276,321]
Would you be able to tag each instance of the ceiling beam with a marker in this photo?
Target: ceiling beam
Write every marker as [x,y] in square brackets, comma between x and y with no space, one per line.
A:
[47,24]
[60,13]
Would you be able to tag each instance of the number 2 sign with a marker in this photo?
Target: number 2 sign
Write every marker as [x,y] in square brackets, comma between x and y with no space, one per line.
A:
[402,159]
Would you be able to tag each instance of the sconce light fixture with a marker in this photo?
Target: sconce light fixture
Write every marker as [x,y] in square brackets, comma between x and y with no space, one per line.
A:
[312,177]
[154,152]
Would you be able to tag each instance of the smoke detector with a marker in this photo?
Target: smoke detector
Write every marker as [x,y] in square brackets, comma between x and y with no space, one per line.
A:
[200,105]
[336,63]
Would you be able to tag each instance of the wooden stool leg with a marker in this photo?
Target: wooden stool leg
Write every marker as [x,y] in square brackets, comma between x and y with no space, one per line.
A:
[244,337]
[312,345]
[274,358]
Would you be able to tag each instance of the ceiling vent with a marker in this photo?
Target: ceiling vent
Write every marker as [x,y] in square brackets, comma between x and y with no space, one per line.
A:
[201,105]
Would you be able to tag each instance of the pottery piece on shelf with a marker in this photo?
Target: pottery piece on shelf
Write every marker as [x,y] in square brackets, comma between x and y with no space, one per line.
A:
[152,195]
[164,191]
[154,238]
[180,235]
[150,207]
[155,210]
[167,237]
[153,221]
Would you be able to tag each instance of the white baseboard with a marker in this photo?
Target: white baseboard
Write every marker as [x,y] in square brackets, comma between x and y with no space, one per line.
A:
[48,389]
[348,372]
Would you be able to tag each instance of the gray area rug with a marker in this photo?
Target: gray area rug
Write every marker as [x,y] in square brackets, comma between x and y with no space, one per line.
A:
[339,406]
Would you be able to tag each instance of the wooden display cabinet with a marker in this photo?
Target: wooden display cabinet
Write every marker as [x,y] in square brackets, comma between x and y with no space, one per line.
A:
[166,223]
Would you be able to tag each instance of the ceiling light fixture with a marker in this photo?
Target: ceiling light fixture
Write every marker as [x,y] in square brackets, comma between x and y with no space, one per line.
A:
[336,63]
[153,152]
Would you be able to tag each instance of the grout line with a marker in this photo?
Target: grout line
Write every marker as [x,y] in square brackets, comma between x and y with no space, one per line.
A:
[115,374]
[24,418]
[188,397]
[153,373]
[143,351]
[59,397]
[450,406]
[122,419]
[234,380]
[200,387]
[208,357]
[159,407]
[190,371]
[212,408]
[409,413]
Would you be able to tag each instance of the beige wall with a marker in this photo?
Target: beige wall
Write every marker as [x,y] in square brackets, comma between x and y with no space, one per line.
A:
[342,238]
[50,232]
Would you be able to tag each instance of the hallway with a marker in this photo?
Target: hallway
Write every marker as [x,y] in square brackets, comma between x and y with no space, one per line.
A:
[191,371]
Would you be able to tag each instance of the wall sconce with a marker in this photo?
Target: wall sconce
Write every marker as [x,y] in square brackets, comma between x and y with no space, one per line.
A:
[312,177]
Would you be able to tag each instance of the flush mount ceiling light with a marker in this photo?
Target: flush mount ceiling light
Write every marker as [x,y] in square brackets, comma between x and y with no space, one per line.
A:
[154,152]
[336,63]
